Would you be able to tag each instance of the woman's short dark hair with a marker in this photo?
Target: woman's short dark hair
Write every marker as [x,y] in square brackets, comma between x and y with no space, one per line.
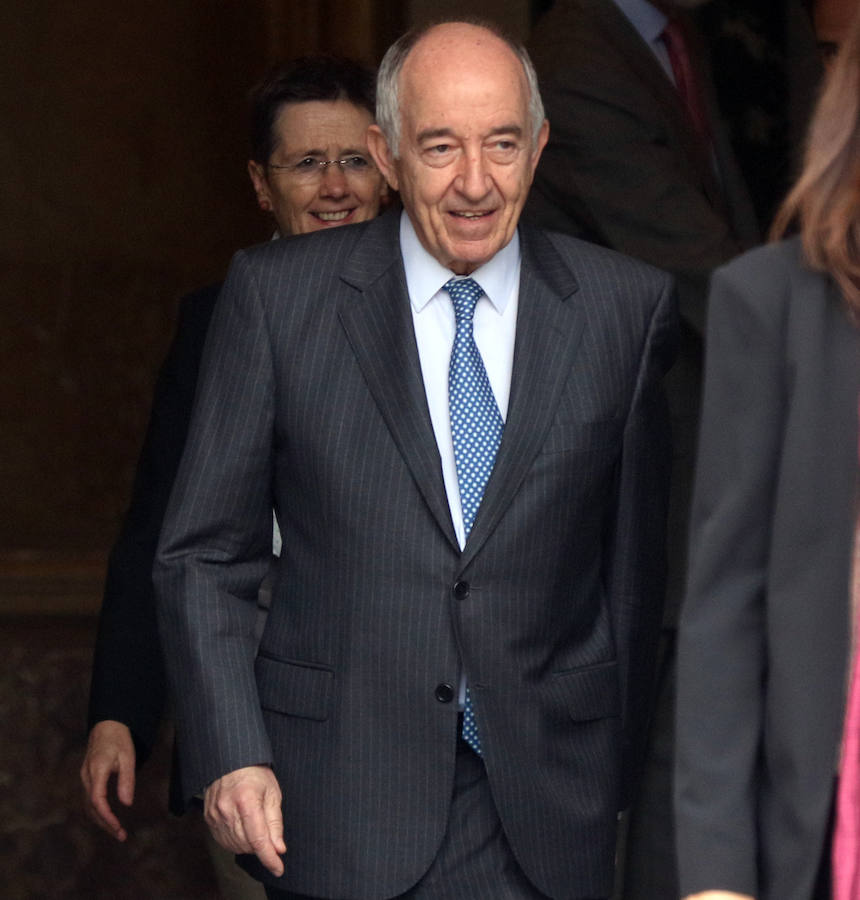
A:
[319,77]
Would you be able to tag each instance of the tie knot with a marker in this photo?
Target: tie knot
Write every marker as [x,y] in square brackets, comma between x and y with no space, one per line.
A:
[464,294]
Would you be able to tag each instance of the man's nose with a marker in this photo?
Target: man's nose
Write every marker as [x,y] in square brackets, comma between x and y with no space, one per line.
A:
[474,179]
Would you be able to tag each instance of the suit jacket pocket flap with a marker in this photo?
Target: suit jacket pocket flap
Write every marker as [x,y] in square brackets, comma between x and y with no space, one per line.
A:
[293,688]
[590,693]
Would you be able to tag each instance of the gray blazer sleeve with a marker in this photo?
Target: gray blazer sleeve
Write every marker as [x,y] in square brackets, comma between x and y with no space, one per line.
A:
[721,654]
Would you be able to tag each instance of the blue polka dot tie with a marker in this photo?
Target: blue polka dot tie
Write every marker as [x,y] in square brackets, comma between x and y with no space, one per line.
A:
[476,428]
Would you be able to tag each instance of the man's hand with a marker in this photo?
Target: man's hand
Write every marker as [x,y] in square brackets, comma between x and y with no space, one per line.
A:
[718,895]
[243,810]
[110,750]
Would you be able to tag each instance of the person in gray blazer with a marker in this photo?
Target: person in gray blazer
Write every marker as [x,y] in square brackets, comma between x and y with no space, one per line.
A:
[461,426]
[764,646]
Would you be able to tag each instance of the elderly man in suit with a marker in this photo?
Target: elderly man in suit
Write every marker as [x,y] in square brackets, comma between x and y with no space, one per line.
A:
[460,424]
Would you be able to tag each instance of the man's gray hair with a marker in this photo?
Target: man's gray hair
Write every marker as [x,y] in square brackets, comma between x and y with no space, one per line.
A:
[388,115]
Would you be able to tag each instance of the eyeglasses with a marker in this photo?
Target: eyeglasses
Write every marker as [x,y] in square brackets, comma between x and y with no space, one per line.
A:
[309,168]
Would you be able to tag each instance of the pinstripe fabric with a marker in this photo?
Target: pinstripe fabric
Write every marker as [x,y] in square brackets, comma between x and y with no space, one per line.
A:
[474,859]
[312,399]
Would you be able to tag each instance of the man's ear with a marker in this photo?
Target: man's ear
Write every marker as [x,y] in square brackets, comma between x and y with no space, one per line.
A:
[382,155]
[540,143]
[257,173]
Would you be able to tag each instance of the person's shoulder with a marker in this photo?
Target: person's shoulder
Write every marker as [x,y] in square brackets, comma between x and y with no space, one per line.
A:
[567,19]
[772,283]
[572,35]
[774,270]
[329,246]
[584,257]
[781,255]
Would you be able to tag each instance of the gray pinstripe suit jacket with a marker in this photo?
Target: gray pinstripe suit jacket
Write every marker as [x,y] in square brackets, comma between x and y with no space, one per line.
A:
[312,400]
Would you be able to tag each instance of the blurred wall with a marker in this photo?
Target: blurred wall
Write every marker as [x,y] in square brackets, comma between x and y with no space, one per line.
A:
[122,187]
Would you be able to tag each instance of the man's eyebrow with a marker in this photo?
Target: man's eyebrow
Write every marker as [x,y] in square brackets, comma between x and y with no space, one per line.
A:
[430,134]
[515,130]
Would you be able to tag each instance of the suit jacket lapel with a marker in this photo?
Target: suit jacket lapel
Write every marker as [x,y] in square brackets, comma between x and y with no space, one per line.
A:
[549,327]
[379,328]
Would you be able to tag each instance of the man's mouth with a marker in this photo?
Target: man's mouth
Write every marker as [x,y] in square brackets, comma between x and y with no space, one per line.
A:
[470,214]
[338,216]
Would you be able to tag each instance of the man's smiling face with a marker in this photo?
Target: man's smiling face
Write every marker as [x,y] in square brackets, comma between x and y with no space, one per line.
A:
[466,156]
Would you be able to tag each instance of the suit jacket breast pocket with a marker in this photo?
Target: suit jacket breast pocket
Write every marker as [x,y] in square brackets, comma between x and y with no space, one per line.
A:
[294,688]
[601,434]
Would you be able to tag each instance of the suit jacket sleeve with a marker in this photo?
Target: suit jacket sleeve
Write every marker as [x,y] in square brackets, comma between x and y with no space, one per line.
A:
[617,169]
[722,654]
[216,544]
[128,680]
[636,561]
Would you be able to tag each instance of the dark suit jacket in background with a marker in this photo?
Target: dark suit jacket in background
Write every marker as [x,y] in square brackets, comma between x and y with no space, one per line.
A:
[128,680]
[765,630]
[624,168]
[312,396]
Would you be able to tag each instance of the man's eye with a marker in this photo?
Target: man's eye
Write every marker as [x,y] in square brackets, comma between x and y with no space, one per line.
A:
[356,162]
[306,164]
[440,149]
[503,151]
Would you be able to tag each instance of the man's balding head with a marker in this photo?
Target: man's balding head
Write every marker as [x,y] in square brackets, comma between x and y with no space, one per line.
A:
[388,80]
[467,139]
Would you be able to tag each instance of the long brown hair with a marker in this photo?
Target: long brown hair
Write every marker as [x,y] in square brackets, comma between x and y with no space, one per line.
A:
[825,201]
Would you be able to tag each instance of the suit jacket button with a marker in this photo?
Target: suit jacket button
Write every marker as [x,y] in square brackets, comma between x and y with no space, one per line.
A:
[444,693]
[461,590]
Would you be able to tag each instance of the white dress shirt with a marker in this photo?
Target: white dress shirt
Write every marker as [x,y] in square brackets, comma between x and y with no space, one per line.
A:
[433,318]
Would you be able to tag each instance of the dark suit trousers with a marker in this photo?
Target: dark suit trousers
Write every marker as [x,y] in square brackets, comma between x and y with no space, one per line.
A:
[475,861]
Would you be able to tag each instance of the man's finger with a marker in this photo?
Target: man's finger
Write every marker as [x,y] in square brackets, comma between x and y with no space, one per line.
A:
[110,750]
[259,840]
[100,810]
[125,781]
[275,821]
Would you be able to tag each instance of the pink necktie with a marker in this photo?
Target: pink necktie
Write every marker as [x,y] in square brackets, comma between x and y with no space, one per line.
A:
[685,79]
[845,852]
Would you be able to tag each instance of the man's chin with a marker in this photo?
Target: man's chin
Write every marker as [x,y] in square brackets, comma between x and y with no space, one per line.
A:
[466,256]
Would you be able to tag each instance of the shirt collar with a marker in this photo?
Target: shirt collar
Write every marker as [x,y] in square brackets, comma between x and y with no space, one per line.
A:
[425,275]
[645,18]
